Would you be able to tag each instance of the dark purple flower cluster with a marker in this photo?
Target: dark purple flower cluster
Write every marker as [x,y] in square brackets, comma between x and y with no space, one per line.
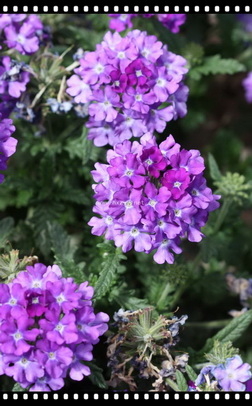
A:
[151,196]
[47,328]
[7,143]
[120,22]
[246,20]
[133,85]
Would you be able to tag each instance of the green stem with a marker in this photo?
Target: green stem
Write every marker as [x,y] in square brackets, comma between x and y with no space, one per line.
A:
[164,294]
[208,324]
[222,215]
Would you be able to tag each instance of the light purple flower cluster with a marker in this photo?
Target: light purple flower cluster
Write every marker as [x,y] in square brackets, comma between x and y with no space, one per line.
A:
[233,375]
[7,143]
[151,196]
[133,85]
[247,84]
[21,32]
[120,22]
[47,328]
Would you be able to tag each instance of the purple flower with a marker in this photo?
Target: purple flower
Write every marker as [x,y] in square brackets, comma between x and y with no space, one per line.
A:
[53,358]
[133,234]
[233,374]
[119,22]
[149,197]
[247,84]
[164,248]
[25,370]
[77,369]
[126,82]
[7,143]
[23,39]
[15,335]
[176,181]
[138,73]
[59,330]
[153,161]
[172,21]
[13,77]
[79,89]
[104,108]
[46,383]
[138,99]
[40,358]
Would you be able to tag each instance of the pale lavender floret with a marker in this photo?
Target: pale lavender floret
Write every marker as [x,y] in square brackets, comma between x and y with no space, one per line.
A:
[201,378]
[247,84]
[133,235]
[119,22]
[178,100]
[7,19]
[12,300]
[79,89]
[53,358]
[46,384]
[246,20]
[233,374]
[172,21]
[63,294]
[102,132]
[104,108]
[26,369]
[164,248]
[7,143]
[59,330]
[15,335]
[77,369]
[23,39]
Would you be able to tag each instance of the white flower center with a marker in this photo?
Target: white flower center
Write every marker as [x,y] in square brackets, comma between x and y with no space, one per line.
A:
[128,204]
[117,83]
[138,97]
[177,212]
[51,355]
[121,55]
[109,220]
[99,68]
[134,232]
[139,73]
[59,328]
[18,336]
[177,184]
[152,203]
[149,161]
[35,300]
[60,298]
[12,301]
[128,172]
[160,82]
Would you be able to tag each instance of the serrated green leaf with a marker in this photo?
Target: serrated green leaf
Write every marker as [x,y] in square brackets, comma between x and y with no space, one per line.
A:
[214,65]
[172,384]
[80,147]
[231,332]
[6,227]
[109,268]
[191,373]
[214,168]
[96,376]
[181,382]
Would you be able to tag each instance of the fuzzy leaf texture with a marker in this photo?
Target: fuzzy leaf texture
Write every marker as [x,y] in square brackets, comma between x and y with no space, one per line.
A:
[214,65]
[181,382]
[109,267]
[231,332]
[6,226]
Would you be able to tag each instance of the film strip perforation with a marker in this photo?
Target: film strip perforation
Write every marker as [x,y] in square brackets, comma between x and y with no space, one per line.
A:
[57,8]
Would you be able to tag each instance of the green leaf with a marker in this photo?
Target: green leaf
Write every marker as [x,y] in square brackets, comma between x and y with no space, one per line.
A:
[18,388]
[110,266]
[6,227]
[61,243]
[181,382]
[214,168]
[172,384]
[216,65]
[231,332]
[191,373]
[96,376]
[80,147]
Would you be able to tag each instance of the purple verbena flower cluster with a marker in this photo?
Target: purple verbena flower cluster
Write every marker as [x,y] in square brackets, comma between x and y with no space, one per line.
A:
[232,375]
[7,143]
[151,196]
[133,85]
[246,20]
[47,328]
[247,84]
[120,22]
